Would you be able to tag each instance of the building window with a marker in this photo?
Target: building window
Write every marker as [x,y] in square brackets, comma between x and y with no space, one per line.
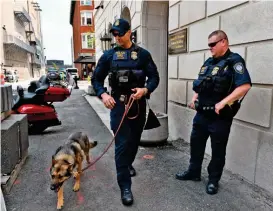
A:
[88,41]
[86,18]
[86,2]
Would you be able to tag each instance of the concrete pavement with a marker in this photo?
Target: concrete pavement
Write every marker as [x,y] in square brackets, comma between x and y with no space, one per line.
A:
[154,187]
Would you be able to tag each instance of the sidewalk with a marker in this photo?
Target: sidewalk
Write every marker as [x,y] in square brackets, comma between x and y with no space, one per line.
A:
[97,105]
[234,192]
[155,187]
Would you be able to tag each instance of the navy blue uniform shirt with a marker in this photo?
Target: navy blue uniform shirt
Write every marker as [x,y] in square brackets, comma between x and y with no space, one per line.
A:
[236,67]
[104,66]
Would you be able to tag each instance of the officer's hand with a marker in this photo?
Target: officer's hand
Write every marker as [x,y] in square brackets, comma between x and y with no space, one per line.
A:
[108,101]
[140,92]
[219,106]
[191,105]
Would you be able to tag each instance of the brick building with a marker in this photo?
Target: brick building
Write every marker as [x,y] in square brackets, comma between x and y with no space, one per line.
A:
[83,40]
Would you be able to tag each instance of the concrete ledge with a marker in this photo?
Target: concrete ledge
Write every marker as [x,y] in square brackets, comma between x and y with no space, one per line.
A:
[7,181]
[3,204]
[182,115]
[264,164]
[9,145]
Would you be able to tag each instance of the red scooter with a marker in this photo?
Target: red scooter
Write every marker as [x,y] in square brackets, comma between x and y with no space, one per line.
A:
[37,101]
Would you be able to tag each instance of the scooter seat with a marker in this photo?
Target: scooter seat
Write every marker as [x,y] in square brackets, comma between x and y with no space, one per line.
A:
[26,98]
[40,86]
[42,89]
[28,95]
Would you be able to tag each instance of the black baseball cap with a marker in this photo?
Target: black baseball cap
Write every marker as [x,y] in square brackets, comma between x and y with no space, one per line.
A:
[120,25]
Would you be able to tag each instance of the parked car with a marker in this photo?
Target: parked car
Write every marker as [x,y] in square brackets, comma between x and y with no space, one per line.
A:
[53,74]
[11,76]
[73,72]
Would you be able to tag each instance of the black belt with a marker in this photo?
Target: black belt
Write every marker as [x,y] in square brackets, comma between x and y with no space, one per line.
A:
[204,107]
[207,108]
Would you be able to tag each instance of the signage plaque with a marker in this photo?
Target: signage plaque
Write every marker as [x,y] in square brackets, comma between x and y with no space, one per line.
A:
[178,42]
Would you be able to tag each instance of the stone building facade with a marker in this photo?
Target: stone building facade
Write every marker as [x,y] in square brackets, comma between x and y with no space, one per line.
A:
[21,38]
[248,25]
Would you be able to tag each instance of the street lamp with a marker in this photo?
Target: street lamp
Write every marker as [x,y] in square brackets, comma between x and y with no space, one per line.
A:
[105,42]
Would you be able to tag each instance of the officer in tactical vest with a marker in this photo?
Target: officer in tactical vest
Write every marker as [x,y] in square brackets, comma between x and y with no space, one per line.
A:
[222,83]
[127,66]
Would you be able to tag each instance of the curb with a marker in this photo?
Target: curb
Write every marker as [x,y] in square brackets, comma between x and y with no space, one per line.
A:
[102,112]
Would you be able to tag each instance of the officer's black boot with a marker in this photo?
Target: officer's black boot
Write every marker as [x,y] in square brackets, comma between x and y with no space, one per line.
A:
[132,171]
[127,197]
[188,175]
[212,188]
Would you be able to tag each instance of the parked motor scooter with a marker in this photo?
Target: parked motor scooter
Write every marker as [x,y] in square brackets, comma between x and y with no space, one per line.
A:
[37,101]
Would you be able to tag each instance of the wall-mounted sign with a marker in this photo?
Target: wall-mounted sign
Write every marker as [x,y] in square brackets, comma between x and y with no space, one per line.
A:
[178,42]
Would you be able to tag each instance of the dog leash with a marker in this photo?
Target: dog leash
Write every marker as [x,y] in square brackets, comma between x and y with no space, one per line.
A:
[127,108]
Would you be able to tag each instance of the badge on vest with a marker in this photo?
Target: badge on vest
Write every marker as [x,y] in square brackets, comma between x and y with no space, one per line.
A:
[239,68]
[203,70]
[215,70]
[120,55]
[134,55]
[123,79]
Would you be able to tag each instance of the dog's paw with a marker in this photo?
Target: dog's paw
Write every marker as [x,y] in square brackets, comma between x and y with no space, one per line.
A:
[60,204]
[59,207]
[76,187]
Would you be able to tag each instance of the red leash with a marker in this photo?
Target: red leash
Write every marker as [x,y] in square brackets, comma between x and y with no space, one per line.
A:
[127,108]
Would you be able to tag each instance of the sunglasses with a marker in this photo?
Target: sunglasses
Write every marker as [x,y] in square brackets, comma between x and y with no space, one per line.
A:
[118,34]
[214,43]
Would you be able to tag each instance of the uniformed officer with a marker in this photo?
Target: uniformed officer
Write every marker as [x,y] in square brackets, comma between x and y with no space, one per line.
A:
[222,82]
[127,66]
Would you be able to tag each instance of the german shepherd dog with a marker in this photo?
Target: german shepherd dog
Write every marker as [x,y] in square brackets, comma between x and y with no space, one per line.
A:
[66,159]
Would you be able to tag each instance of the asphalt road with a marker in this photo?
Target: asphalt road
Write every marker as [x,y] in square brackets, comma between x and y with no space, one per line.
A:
[154,187]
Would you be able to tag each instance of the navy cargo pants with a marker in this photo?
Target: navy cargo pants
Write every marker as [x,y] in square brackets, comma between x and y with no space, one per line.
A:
[218,130]
[127,139]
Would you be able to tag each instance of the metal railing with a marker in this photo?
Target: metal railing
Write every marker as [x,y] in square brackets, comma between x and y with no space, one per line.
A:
[10,39]
[21,13]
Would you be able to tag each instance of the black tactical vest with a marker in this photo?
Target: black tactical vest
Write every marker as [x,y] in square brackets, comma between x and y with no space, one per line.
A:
[126,72]
[214,81]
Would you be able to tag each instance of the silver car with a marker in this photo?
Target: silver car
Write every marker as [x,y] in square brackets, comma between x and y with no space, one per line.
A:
[11,76]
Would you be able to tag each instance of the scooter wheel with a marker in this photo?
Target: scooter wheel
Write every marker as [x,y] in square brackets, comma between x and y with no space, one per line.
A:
[36,129]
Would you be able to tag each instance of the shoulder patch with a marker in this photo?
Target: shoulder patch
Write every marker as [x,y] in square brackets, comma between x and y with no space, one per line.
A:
[239,67]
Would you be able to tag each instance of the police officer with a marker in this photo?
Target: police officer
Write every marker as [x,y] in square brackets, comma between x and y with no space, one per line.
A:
[127,66]
[222,83]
